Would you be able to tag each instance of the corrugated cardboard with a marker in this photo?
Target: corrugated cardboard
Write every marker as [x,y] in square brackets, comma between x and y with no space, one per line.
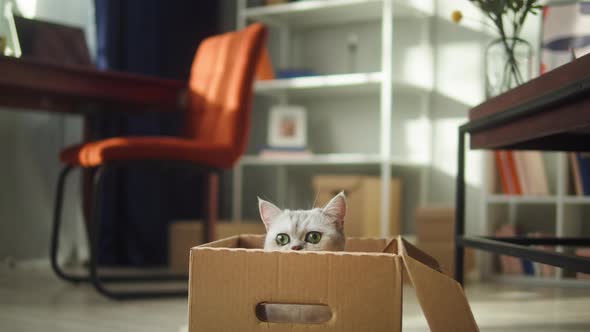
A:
[435,224]
[363,197]
[362,286]
[183,235]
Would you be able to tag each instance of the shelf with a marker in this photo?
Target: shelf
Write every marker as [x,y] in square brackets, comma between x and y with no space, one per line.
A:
[361,83]
[499,198]
[328,159]
[325,12]
[576,199]
[331,85]
[541,281]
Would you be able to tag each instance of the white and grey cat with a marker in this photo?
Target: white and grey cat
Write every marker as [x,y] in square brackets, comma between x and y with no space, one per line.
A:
[318,229]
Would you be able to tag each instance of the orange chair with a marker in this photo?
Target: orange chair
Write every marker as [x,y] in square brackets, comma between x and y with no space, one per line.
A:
[217,123]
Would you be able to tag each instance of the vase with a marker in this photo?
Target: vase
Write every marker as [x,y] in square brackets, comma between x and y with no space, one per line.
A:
[508,64]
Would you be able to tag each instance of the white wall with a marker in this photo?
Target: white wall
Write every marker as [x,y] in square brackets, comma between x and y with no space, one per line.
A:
[30,142]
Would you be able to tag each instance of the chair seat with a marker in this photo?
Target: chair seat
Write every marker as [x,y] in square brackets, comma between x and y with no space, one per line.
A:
[96,153]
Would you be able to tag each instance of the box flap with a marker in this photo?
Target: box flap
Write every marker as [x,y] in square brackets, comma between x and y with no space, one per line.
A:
[442,299]
[376,245]
[230,242]
[404,247]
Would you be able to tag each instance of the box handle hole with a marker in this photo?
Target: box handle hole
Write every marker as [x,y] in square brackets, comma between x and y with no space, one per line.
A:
[293,313]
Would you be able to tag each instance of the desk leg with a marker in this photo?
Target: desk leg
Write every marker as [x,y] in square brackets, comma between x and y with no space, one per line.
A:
[460,208]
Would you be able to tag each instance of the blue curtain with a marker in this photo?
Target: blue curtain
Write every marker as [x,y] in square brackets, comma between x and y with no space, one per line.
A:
[156,38]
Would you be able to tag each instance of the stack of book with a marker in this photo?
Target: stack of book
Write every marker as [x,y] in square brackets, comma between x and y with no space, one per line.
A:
[522,173]
[580,166]
[517,266]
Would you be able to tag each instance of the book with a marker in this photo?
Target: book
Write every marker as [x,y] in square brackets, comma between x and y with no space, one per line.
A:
[519,162]
[528,267]
[542,270]
[584,166]
[513,173]
[503,172]
[507,172]
[531,173]
[509,265]
[576,178]
[537,176]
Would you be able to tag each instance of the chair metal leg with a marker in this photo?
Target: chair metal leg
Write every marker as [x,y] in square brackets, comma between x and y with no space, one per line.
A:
[211,206]
[55,230]
[97,280]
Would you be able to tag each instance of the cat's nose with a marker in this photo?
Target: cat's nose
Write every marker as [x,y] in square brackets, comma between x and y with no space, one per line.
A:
[297,247]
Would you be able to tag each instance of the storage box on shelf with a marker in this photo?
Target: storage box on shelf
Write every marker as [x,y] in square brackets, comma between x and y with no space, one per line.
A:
[435,235]
[363,202]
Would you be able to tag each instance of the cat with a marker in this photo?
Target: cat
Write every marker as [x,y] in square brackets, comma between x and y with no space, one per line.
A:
[318,229]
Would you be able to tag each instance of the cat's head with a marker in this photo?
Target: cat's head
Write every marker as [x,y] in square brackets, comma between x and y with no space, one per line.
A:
[316,229]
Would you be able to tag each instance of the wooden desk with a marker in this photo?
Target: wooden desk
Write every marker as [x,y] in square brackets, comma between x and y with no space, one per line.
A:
[551,112]
[31,84]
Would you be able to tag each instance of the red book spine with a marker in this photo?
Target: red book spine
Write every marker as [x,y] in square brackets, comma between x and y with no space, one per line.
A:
[513,173]
[503,172]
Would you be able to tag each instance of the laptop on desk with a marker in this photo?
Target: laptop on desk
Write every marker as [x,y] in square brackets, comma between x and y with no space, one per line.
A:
[52,42]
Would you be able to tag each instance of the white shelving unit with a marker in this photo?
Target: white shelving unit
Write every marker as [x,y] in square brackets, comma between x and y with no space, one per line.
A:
[567,220]
[322,12]
[292,17]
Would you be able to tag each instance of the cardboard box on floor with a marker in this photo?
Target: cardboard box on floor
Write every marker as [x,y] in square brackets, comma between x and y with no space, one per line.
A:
[435,235]
[363,197]
[183,235]
[435,224]
[362,286]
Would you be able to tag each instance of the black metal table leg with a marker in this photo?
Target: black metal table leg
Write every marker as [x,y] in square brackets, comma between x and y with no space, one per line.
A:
[460,208]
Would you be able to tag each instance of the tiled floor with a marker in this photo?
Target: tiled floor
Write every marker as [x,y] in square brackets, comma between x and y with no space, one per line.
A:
[32,299]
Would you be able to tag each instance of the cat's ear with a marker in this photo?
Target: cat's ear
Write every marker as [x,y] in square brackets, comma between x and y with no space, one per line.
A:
[268,211]
[336,207]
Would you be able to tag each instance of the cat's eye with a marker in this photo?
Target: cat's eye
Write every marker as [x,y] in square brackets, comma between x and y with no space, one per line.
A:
[283,239]
[313,237]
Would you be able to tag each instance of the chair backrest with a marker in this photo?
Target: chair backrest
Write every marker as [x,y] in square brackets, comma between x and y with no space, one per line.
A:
[221,89]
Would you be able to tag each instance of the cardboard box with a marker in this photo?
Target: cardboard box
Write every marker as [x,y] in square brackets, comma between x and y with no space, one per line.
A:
[183,235]
[435,224]
[363,197]
[362,286]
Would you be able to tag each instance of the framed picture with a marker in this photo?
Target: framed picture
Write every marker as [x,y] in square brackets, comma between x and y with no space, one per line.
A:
[287,127]
[566,33]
